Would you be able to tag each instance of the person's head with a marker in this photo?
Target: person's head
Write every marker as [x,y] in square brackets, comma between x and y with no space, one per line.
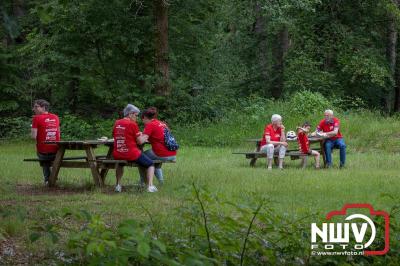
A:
[149,114]
[328,114]
[131,112]
[276,120]
[306,126]
[40,106]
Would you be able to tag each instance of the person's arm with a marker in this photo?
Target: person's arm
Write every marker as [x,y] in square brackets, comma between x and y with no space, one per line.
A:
[34,127]
[33,133]
[142,138]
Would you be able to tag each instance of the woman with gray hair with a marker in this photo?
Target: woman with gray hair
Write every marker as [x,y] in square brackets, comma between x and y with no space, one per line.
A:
[274,141]
[127,138]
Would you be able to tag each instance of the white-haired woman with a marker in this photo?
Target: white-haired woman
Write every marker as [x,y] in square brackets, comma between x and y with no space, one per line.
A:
[274,141]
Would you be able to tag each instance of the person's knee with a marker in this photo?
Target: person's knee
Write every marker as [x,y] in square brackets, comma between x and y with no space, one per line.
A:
[342,145]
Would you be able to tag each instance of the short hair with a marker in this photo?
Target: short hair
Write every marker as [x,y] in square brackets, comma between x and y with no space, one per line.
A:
[275,117]
[329,111]
[130,109]
[42,103]
[306,124]
[150,113]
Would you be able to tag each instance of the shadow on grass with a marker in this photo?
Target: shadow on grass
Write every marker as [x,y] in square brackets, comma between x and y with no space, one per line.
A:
[72,189]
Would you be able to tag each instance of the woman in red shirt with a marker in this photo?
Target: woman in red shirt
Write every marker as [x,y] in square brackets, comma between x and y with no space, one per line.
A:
[154,132]
[274,141]
[127,137]
[304,144]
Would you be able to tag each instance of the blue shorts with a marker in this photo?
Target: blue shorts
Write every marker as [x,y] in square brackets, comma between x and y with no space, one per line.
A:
[144,161]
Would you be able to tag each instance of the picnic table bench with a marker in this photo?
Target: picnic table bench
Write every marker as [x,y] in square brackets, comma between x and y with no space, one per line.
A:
[293,153]
[99,165]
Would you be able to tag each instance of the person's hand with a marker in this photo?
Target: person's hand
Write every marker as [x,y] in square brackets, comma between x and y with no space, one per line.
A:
[282,127]
[313,134]
[284,143]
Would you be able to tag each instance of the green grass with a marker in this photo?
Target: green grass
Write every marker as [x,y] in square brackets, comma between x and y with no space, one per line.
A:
[293,192]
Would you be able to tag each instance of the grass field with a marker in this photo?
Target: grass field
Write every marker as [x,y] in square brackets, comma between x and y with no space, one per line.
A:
[293,192]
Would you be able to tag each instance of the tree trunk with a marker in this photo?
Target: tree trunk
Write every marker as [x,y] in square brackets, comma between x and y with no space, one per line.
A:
[18,8]
[261,36]
[391,54]
[281,50]
[161,47]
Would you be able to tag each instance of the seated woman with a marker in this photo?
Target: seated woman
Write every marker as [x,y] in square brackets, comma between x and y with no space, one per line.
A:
[274,141]
[154,131]
[127,137]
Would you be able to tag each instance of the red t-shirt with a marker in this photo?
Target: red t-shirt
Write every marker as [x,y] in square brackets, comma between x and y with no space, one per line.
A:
[330,126]
[304,144]
[125,132]
[155,130]
[48,129]
[274,134]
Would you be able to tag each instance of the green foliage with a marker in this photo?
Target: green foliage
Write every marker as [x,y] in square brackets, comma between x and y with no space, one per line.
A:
[306,103]
[14,127]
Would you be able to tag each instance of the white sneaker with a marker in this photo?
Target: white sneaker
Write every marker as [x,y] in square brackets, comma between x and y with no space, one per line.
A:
[152,189]
[269,168]
[118,188]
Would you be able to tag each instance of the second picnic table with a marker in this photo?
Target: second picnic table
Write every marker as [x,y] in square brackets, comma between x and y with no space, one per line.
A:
[293,153]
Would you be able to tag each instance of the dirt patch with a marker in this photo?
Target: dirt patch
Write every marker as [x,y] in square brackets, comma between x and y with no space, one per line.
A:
[34,190]
[10,253]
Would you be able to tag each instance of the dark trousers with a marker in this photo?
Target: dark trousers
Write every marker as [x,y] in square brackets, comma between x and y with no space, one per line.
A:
[45,162]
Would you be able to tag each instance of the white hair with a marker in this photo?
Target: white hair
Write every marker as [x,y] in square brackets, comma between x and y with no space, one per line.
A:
[276,118]
[328,111]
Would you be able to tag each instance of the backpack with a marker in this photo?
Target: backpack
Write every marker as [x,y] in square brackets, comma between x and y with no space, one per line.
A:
[170,141]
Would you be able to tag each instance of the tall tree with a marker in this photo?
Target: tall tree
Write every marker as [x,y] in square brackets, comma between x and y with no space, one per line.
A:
[282,47]
[391,53]
[161,47]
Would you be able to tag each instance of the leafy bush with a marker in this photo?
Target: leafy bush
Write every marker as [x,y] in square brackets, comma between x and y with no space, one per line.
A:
[212,231]
[306,102]
[15,127]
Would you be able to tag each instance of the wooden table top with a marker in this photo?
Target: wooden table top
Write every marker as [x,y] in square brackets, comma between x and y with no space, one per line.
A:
[82,142]
[311,139]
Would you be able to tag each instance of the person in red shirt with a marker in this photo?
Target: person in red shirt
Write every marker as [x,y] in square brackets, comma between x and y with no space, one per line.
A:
[304,144]
[329,128]
[154,131]
[127,137]
[45,127]
[274,141]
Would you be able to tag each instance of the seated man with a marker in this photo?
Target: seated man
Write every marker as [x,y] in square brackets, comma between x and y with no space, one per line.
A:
[45,127]
[274,141]
[329,128]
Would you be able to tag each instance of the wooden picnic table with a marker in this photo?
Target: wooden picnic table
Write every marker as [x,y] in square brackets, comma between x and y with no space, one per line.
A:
[312,140]
[91,162]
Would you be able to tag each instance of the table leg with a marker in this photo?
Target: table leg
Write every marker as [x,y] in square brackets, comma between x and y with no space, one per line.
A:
[104,171]
[321,143]
[56,166]
[93,166]
[254,160]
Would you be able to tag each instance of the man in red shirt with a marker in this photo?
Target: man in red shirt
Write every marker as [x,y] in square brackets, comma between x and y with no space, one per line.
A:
[274,141]
[304,144]
[329,128]
[127,137]
[154,130]
[45,127]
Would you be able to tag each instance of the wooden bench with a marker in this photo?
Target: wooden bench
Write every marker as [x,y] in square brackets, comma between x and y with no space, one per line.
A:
[112,164]
[73,162]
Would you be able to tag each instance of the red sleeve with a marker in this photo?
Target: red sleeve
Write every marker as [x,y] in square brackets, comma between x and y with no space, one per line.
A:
[267,132]
[136,131]
[148,129]
[336,123]
[35,122]
[320,126]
